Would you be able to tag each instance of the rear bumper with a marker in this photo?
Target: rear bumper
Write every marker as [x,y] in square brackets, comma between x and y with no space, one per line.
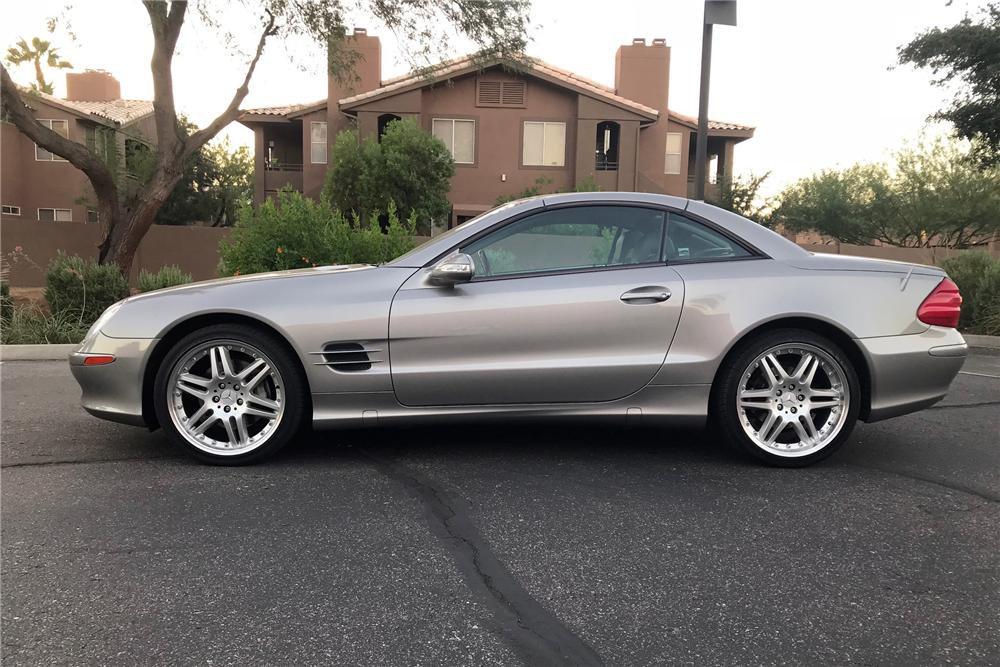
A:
[113,391]
[910,373]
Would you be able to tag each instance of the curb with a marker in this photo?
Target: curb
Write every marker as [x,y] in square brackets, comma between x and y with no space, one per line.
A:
[36,352]
[982,342]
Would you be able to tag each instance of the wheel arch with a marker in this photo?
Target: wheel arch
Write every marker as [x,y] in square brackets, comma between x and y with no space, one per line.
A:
[818,326]
[178,330]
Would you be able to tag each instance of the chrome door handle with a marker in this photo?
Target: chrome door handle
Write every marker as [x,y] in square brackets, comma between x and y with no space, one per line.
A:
[646,294]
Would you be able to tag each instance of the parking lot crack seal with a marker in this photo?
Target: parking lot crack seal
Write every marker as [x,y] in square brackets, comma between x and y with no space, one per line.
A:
[951,486]
[76,462]
[535,633]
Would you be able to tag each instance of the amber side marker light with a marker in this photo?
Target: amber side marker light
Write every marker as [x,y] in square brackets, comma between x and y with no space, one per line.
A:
[98,359]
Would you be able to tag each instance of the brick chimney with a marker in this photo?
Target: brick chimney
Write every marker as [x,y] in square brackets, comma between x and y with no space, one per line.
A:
[94,85]
[642,73]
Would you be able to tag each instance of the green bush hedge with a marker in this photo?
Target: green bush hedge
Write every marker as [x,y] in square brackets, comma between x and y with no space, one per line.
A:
[167,276]
[82,288]
[978,278]
[296,232]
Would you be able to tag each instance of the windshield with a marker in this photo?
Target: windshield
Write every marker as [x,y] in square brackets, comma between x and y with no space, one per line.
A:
[401,260]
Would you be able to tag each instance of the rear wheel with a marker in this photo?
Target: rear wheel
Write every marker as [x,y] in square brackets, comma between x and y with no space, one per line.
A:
[788,397]
[230,394]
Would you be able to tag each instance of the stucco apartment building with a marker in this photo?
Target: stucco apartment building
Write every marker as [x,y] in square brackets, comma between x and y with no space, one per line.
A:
[38,185]
[505,129]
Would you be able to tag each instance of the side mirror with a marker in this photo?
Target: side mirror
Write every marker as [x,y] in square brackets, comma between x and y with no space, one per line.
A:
[453,270]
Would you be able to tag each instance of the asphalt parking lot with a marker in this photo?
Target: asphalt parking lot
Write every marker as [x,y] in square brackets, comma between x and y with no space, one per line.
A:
[499,545]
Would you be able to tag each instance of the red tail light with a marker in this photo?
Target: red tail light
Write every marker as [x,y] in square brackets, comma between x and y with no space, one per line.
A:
[942,306]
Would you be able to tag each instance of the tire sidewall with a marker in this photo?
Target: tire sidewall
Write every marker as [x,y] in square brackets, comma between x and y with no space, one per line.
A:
[725,412]
[294,388]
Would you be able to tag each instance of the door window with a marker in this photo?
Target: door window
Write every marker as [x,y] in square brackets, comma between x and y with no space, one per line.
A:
[691,241]
[581,237]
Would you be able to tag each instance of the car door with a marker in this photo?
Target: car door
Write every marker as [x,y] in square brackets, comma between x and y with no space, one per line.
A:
[570,304]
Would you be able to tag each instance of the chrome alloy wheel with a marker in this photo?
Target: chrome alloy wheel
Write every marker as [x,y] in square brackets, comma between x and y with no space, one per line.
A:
[793,400]
[225,397]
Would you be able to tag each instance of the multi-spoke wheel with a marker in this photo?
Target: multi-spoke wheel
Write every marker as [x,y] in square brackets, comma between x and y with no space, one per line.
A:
[230,394]
[789,397]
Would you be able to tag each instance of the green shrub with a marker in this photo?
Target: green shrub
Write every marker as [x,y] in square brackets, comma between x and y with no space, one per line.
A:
[82,287]
[29,324]
[6,303]
[986,303]
[167,276]
[968,270]
[296,232]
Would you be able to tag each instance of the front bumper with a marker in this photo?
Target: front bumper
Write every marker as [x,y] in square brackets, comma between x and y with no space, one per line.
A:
[912,372]
[113,391]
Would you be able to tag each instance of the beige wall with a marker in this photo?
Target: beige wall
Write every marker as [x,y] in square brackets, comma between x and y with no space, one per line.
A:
[194,249]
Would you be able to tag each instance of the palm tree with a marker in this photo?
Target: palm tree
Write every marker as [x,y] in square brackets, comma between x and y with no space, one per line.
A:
[39,51]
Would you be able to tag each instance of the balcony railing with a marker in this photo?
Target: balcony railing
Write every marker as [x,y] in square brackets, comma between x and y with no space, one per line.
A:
[711,189]
[604,164]
[277,165]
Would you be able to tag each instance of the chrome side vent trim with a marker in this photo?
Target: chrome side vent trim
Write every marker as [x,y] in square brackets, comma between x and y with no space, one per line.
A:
[347,357]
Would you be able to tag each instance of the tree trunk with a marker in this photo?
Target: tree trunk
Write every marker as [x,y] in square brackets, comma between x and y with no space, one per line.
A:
[124,234]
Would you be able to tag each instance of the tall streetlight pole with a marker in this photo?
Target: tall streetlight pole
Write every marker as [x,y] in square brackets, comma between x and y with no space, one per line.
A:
[722,12]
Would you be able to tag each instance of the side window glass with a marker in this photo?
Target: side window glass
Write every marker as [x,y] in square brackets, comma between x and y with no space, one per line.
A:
[688,240]
[579,237]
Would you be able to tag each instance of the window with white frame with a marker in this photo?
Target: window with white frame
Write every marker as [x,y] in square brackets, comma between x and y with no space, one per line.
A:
[10,210]
[317,142]
[459,135]
[60,127]
[544,144]
[672,162]
[55,215]
[93,216]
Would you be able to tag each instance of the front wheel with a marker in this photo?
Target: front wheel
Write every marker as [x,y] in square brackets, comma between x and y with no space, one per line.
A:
[230,394]
[788,397]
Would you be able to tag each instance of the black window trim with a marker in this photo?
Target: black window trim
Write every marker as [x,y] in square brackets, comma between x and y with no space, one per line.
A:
[755,253]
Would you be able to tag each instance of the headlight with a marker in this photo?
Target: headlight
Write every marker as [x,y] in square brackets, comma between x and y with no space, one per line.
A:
[95,328]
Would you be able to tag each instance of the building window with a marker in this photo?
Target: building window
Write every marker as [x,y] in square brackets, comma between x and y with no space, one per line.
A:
[607,146]
[459,136]
[10,210]
[93,216]
[138,158]
[317,142]
[500,93]
[60,127]
[544,144]
[100,140]
[55,215]
[672,162]
[383,123]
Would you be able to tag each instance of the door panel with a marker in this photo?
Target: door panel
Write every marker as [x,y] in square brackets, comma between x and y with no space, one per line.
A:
[533,339]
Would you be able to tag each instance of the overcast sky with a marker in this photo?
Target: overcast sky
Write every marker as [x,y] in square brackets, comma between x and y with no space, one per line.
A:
[816,78]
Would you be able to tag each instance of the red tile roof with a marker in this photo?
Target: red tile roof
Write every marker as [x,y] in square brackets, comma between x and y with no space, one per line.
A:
[119,112]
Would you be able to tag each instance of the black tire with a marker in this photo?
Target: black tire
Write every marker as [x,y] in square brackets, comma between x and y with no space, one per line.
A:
[295,390]
[725,416]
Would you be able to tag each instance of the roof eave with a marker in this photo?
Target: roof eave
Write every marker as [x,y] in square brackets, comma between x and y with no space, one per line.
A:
[350,104]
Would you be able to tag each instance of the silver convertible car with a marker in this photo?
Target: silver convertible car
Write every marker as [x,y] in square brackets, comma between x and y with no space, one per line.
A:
[622,306]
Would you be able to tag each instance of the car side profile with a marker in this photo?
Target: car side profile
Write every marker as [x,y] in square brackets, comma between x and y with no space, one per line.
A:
[623,306]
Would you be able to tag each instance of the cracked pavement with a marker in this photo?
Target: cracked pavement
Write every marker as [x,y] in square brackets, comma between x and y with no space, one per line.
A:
[498,545]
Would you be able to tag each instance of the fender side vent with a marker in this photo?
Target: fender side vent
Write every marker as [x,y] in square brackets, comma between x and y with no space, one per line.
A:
[347,357]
